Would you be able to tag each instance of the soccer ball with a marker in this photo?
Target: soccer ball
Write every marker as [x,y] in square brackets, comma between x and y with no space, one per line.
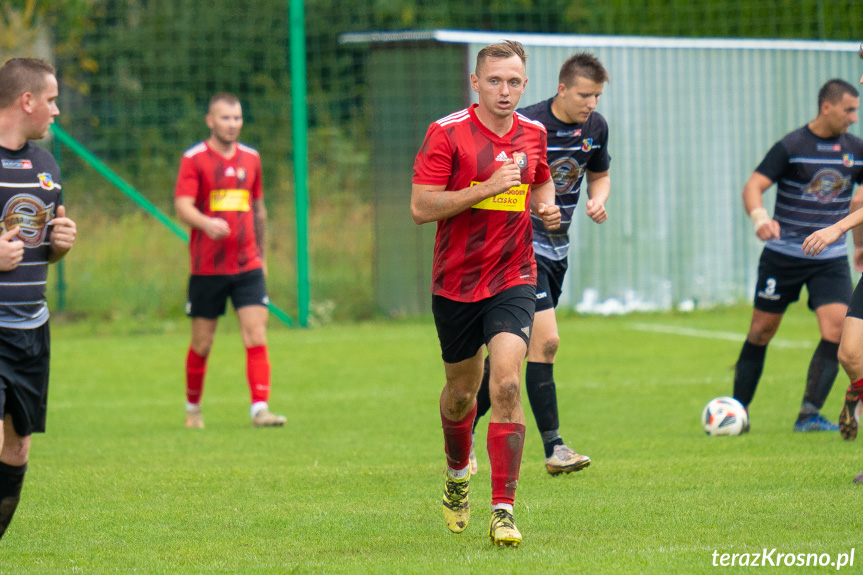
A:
[724,416]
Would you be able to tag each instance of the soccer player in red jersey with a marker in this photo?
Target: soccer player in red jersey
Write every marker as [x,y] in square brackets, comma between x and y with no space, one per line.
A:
[220,196]
[478,173]
[34,232]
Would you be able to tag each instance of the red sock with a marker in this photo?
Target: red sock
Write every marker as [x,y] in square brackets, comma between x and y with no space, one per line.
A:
[196,368]
[457,438]
[857,386]
[505,442]
[258,372]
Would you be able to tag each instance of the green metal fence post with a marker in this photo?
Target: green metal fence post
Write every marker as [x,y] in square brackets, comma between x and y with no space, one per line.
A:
[299,117]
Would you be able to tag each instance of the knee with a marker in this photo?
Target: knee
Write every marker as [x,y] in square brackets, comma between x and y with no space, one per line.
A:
[15,451]
[760,336]
[549,348]
[507,392]
[850,357]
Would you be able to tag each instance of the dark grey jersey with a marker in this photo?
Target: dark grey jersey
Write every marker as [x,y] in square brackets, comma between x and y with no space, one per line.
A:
[30,193]
[815,179]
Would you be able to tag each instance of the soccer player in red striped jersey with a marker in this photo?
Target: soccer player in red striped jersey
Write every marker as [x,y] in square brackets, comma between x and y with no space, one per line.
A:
[478,174]
[220,196]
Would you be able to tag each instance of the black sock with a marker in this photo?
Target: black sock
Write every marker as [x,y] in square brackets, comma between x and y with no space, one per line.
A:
[11,480]
[747,372]
[539,381]
[483,397]
[822,373]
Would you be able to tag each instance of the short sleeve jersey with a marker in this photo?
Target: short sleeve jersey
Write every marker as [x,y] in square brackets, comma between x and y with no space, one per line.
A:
[572,149]
[815,179]
[224,188]
[30,192]
[488,247]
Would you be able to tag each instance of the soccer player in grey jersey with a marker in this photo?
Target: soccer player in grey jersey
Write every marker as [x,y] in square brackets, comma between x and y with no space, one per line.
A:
[33,233]
[815,169]
[577,148]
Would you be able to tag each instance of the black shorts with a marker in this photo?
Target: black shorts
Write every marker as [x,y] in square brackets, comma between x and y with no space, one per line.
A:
[855,309]
[25,355]
[463,327]
[208,295]
[781,277]
[549,282]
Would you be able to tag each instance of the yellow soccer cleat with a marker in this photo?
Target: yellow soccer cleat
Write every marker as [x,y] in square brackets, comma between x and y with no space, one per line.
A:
[456,507]
[502,530]
[565,460]
[266,419]
[194,418]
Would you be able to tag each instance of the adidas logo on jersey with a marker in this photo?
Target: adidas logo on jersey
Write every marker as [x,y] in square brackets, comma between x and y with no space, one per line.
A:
[501,157]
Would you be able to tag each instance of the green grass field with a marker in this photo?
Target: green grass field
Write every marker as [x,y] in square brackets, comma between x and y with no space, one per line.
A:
[353,483]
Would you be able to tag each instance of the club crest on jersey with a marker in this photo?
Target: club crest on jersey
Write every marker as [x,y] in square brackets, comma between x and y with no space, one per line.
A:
[520,159]
[241,174]
[587,144]
[826,185]
[29,214]
[17,164]
[848,160]
[46,181]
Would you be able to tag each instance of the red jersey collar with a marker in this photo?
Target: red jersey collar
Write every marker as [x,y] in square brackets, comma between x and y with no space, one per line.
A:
[486,131]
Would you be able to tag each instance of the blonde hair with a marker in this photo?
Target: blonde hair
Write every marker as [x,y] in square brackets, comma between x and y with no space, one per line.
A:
[501,50]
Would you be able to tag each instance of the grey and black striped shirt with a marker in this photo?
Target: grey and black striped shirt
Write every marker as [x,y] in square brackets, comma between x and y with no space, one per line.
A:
[30,193]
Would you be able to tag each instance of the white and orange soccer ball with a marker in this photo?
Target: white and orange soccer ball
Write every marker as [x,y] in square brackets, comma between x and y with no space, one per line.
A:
[724,416]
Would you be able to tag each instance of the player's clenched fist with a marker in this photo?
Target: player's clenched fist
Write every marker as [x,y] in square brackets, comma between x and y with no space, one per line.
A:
[11,250]
[63,231]
[550,215]
[505,177]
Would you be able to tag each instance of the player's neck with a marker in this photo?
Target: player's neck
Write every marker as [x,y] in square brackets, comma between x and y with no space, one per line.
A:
[821,128]
[496,124]
[226,149]
[557,112]
[10,137]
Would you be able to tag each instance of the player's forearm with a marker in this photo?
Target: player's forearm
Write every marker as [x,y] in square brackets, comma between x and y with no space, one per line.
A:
[599,187]
[432,205]
[260,217]
[542,194]
[856,204]
[190,215]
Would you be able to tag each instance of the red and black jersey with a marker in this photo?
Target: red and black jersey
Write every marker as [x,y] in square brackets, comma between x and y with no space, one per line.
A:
[489,247]
[223,188]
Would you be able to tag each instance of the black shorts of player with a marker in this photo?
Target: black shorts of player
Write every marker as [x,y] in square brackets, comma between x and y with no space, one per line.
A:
[855,309]
[781,277]
[208,295]
[549,282]
[25,355]
[463,327]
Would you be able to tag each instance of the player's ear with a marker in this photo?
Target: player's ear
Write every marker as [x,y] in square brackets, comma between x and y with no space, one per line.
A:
[474,83]
[27,101]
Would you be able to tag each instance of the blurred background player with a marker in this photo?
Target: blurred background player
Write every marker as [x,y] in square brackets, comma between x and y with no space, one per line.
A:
[220,196]
[577,144]
[851,343]
[34,232]
[478,173]
[815,168]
